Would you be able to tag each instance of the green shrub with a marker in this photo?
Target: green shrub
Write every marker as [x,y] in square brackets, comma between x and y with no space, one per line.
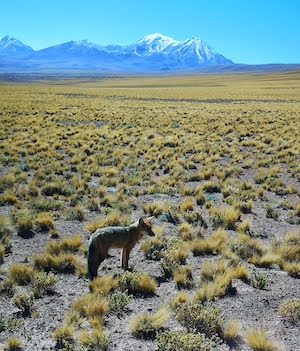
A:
[24,302]
[118,301]
[186,341]
[196,316]
[290,310]
[43,283]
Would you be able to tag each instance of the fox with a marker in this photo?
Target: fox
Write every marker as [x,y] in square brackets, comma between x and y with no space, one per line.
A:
[124,237]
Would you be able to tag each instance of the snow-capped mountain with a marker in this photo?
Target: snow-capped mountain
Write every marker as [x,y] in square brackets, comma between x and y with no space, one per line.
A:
[9,45]
[153,52]
[196,52]
[152,44]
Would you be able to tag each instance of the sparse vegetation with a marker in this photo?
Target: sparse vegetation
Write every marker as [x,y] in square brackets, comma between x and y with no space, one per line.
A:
[214,158]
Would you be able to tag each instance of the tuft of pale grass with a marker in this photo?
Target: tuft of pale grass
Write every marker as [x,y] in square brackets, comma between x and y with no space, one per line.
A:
[21,274]
[225,217]
[43,222]
[181,297]
[183,276]
[156,207]
[147,325]
[97,339]
[211,245]
[63,336]
[258,340]
[187,204]
[230,332]
[91,306]
[137,283]
[103,285]
[13,344]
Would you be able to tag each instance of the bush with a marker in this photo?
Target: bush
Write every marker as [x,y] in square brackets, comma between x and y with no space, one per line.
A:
[43,283]
[257,339]
[64,337]
[65,245]
[154,248]
[63,263]
[24,223]
[93,306]
[24,302]
[196,316]
[43,222]
[290,310]
[13,344]
[137,283]
[147,325]
[97,339]
[183,277]
[103,285]
[5,226]
[21,274]
[225,217]
[185,341]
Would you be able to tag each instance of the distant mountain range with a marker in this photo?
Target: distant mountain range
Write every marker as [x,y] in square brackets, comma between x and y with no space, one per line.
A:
[154,52]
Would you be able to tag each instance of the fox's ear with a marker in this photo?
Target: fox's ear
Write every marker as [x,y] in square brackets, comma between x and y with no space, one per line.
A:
[149,219]
[141,221]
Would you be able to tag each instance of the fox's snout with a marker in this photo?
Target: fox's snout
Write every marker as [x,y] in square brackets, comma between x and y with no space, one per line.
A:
[150,233]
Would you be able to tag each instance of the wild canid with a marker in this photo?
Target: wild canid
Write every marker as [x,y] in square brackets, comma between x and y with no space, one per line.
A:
[106,238]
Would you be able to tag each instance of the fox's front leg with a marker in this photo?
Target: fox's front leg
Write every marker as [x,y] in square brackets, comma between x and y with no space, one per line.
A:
[125,258]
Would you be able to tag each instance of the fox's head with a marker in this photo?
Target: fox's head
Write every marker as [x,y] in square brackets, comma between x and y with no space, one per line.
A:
[145,225]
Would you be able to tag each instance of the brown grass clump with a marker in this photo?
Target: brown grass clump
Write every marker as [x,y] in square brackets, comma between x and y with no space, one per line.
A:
[21,274]
[225,217]
[211,245]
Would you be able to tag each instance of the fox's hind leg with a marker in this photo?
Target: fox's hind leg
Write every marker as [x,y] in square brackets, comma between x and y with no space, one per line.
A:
[94,260]
[93,265]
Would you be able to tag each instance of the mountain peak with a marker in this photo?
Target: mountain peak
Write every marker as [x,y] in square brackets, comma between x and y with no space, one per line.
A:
[153,43]
[153,52]
[11,45]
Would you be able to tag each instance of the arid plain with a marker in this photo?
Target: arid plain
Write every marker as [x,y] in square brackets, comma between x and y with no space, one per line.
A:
[215,158]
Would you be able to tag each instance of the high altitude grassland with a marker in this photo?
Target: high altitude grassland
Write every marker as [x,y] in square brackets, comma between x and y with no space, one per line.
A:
[214,158]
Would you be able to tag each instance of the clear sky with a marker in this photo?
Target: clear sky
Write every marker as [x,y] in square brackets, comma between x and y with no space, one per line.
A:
[245,31]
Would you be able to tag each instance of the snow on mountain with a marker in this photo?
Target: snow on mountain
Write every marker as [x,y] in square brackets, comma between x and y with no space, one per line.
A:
[153,52]
[196,52]
[152,44]
[9,46]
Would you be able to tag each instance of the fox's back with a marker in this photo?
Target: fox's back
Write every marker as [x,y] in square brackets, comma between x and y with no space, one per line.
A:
[113,237]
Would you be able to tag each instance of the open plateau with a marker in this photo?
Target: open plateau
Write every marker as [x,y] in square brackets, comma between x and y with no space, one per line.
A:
[207,163]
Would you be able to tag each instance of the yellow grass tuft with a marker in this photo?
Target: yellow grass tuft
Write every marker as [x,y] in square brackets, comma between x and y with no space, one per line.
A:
[258,340]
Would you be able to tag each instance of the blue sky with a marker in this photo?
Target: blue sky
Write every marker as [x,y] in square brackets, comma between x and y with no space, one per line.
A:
[245,31]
